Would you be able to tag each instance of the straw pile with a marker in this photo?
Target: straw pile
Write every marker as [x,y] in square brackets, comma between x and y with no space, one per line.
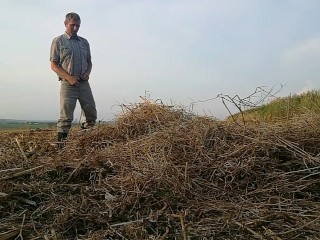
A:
[160,173]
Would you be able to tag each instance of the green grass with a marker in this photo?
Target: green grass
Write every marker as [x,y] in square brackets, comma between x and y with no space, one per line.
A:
[286,107]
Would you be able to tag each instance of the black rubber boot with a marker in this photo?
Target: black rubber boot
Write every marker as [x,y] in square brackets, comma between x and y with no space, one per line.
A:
[62,138]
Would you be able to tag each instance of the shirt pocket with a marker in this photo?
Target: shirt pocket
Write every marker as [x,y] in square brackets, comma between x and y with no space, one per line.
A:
[65,52]
[84,51]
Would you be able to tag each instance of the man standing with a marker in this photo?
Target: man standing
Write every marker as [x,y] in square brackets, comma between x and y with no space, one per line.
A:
[70,58]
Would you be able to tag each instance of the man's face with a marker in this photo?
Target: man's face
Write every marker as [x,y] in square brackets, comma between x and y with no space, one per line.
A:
[72,27]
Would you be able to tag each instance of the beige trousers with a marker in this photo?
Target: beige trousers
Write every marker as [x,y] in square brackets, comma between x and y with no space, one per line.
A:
[68,99]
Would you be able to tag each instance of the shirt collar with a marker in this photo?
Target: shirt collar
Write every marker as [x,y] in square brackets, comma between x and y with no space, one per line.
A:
[71,37]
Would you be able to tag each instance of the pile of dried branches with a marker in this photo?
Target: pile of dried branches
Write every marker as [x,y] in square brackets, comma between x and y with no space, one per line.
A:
[160,173]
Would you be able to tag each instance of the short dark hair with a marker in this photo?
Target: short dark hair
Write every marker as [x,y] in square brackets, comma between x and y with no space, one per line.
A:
[72,15]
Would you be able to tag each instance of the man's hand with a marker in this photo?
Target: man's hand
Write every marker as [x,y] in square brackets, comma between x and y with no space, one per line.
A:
[73,80]
[85,77]
[64,75]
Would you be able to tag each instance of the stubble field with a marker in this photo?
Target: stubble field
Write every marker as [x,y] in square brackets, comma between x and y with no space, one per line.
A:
[159,173]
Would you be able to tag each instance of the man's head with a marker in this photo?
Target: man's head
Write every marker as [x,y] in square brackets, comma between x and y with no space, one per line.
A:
[72,23]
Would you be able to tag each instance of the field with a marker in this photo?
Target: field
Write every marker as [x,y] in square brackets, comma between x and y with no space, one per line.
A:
[12,124]
[158,172]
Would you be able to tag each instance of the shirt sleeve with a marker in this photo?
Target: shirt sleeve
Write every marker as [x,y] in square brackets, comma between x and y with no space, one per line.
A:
[89,53]
[54,51]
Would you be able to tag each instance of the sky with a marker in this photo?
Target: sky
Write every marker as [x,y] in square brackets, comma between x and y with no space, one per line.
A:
[183,52]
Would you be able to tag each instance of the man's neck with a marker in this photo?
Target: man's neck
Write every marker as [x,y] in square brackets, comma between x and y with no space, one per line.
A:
[72,35]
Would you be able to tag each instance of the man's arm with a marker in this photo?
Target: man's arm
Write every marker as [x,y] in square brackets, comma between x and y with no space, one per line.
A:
[87,74]
[63,74]
[89,63]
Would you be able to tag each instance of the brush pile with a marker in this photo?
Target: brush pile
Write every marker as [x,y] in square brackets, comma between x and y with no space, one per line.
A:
[158,172]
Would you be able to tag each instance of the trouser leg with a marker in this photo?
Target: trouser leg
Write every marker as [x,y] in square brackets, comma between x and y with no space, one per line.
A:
[68,99]
[88,105]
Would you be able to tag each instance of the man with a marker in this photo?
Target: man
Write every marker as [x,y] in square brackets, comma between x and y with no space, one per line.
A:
[70,59]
